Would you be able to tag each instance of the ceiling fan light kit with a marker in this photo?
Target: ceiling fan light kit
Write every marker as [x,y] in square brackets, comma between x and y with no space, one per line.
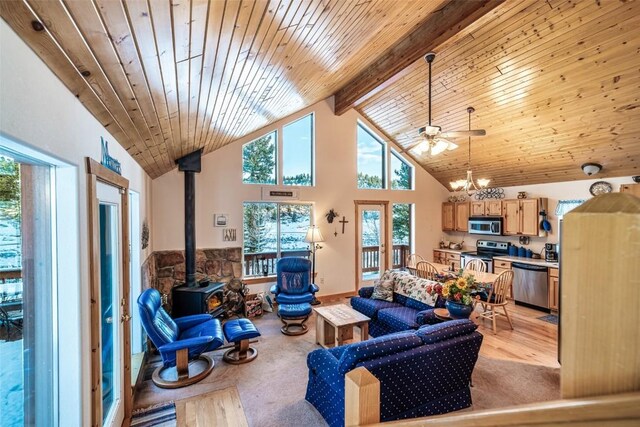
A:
[434,140]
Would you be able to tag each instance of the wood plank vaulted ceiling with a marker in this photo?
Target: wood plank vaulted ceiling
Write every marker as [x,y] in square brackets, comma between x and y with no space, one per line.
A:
[555,83]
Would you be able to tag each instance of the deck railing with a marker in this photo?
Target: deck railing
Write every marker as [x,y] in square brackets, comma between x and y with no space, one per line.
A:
[264,263]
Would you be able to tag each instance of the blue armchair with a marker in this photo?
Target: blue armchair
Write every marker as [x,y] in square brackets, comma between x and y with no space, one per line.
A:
[293,284]
[179,341]
[421,373]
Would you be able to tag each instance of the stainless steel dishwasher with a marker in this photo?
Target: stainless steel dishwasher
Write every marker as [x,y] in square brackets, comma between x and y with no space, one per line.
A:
[531,284]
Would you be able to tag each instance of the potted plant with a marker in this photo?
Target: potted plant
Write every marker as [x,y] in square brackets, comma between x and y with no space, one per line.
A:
[457,291]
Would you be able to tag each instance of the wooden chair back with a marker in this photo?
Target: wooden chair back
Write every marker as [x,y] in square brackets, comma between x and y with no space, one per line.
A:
[413,260]
[500,289]
[426,270]
[476,265]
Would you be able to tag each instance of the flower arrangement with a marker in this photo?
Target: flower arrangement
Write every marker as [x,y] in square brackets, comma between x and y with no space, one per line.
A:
[457,288]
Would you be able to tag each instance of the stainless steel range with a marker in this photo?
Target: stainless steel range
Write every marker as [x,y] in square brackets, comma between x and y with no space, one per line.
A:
[485,251]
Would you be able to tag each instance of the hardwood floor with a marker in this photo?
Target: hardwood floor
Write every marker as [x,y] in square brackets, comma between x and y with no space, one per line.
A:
[531,341]
[221,408]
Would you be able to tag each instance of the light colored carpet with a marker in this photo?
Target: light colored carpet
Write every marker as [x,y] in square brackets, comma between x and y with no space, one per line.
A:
[272,387]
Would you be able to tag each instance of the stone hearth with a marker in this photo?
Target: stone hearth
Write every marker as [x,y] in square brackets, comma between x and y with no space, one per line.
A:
[165,269]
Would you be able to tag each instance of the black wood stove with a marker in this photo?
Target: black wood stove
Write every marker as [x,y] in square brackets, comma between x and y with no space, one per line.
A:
[206,297]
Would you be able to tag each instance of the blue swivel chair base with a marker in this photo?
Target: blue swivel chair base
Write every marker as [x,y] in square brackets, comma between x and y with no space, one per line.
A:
[185,372]
[294,317]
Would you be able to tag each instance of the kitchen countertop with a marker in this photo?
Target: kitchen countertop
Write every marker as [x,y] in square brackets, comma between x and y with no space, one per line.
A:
[451,251]
[532,261]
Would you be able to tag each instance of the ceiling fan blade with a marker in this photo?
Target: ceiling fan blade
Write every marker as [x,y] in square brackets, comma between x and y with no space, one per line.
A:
[461,133]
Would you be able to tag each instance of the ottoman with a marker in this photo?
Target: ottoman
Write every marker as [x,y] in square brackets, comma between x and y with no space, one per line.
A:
[294,316]
[239,332]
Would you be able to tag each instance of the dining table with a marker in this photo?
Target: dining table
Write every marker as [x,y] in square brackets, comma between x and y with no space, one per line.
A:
[479,276]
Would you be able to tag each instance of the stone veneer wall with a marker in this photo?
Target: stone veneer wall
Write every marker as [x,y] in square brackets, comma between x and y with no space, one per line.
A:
[165,269]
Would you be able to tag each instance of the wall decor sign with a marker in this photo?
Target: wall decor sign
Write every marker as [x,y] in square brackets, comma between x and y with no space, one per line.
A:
[220,220]
[108,161]
[229,235]
[145,234]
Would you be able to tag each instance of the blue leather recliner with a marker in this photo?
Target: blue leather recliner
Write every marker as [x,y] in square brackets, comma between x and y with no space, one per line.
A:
[293,285]
[179,341]
[421,372]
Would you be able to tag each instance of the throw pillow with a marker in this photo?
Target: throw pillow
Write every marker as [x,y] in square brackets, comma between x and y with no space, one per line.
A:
[383,290]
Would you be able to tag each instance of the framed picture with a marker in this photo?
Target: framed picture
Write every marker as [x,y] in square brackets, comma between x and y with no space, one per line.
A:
[220,220]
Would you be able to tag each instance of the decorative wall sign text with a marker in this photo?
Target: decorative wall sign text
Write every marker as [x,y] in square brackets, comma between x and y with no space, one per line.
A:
[229,235]
[108,161]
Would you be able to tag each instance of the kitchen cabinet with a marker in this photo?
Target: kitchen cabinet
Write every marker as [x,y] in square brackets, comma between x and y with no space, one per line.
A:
[462,216]
[501,266]
[478,209]
[493,207]
[520,217]
[448,216]
[453,260]
[439,257]
[554,289]
[631,189]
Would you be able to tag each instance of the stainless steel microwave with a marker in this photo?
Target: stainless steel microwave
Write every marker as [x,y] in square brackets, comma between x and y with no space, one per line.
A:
[485,225]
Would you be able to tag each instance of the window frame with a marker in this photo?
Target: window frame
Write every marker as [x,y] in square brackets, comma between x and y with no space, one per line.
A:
[385,162]
[276,158]
[278,204]
[312,160]
[412,207]
[397,155]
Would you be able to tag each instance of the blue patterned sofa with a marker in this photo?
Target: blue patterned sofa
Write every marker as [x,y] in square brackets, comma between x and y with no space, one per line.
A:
[411,307]
[421,373]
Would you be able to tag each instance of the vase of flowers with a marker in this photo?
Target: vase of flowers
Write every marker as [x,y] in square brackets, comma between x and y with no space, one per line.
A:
[456,291]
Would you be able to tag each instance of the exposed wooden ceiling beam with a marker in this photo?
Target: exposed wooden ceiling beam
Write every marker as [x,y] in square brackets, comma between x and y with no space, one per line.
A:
[453,17]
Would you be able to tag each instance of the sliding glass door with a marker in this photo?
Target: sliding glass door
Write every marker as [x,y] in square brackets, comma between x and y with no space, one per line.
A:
[27,295]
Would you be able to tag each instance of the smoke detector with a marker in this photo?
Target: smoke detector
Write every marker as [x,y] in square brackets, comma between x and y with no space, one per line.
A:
[591,168]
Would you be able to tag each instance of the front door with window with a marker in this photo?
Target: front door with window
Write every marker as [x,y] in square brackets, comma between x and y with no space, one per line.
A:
[111,331]
[371,242]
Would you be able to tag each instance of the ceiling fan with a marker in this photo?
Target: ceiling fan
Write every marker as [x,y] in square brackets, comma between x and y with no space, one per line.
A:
[434,141]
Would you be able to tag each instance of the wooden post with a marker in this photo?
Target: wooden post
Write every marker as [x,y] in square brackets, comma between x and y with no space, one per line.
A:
[361,398]
[600,297]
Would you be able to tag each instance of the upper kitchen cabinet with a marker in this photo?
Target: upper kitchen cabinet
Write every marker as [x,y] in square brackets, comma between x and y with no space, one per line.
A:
[520,217]
[448,216]
[493,207]
[478,209]
[631,189]
[462,216]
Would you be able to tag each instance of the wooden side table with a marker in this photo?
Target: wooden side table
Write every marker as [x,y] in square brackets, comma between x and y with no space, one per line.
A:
[334,325]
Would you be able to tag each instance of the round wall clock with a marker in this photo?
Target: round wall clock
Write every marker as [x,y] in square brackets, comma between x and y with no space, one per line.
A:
[600,187]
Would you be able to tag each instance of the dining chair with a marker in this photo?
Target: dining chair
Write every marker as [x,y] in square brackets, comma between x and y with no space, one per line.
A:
[476,265]
[413,260]
[426,270]
[497,298]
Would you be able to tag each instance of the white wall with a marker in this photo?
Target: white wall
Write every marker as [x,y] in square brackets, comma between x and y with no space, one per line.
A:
[36,109]
[219,189]
[568,190]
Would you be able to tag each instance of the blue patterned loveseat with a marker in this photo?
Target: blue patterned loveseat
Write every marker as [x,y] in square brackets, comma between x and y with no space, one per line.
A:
[411,307]
[421,373]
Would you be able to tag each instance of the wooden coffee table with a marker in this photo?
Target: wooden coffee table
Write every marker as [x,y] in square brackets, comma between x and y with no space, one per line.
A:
[334,324]
[442,313]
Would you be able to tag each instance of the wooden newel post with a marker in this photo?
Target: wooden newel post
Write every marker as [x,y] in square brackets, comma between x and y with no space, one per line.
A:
[361,398]
[600,297]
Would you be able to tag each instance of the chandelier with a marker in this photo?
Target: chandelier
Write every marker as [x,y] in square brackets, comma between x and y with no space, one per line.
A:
[468,185]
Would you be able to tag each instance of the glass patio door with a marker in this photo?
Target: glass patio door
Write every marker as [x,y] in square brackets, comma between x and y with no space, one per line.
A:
[110,223]
[371,241]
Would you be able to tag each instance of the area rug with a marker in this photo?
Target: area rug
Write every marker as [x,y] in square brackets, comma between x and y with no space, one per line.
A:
[551,318]
[159,415]
[272,387]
